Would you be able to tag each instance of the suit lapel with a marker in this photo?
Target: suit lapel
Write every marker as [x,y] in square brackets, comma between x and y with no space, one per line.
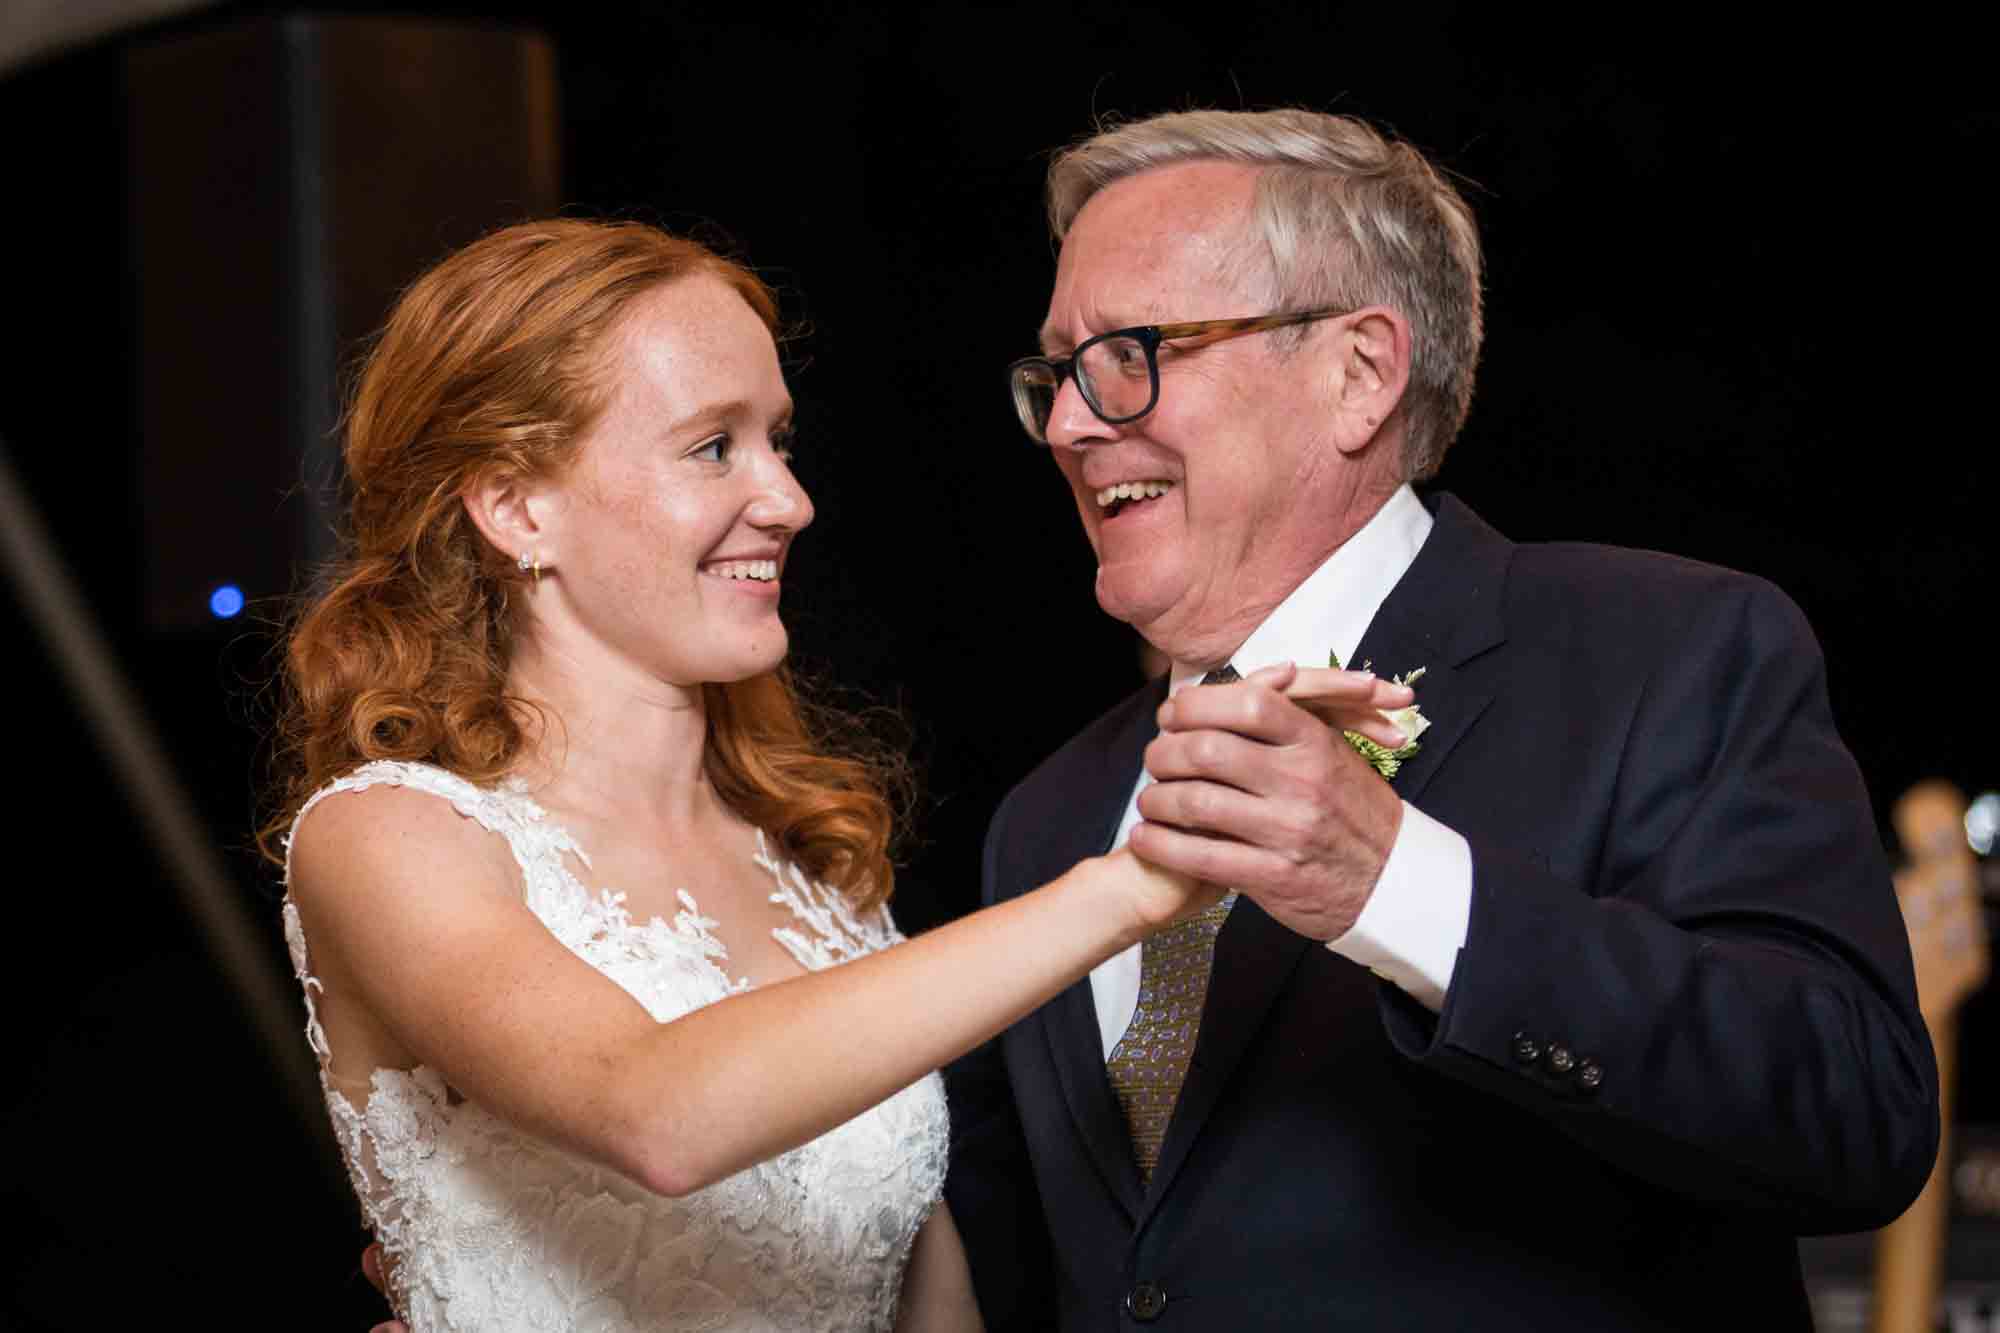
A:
[1443,612]
[1103,781]
[1448,699]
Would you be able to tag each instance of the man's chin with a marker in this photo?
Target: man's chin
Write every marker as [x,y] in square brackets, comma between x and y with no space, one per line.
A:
[1139,603]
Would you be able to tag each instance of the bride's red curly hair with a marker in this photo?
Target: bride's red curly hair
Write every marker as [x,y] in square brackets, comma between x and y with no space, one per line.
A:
[490,363]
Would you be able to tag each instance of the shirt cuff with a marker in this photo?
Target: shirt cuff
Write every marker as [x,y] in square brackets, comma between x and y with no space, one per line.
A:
[1413,925]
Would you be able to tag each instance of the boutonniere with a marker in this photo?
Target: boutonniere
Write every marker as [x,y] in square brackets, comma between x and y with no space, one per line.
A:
[1410,721]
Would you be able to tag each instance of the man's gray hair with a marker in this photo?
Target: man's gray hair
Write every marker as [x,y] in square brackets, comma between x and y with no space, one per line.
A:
[1349,218]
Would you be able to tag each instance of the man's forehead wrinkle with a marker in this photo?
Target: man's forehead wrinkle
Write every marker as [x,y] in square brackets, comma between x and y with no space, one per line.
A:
[1160,247]
[1177,228]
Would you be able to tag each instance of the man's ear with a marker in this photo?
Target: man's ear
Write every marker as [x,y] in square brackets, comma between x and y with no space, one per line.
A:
[1370,374]
[515,514]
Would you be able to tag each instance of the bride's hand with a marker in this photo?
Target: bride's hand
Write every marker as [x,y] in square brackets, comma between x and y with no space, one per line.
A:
[1351,701]
[378,1268]
[1155,897]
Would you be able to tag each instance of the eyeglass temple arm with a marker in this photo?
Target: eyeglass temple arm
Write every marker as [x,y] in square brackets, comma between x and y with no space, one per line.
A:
[1217,329]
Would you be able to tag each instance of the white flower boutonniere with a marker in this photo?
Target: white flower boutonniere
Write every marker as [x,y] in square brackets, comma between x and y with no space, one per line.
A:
[1410,721]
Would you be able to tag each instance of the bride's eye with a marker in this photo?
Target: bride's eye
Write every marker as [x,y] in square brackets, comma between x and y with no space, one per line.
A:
[785,442]
[714,450]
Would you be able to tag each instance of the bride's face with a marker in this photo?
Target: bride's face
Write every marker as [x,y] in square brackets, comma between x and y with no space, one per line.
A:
[671,529]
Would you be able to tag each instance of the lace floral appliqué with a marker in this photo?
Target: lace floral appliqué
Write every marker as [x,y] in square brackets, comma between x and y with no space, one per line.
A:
[494,1229]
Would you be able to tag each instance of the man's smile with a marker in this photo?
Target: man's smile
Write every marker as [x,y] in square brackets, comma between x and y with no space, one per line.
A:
[1113,500]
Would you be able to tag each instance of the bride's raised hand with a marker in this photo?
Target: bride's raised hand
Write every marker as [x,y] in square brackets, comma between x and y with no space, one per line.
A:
[1264,706]
[378,1268]
[1155,897]
[1357,701]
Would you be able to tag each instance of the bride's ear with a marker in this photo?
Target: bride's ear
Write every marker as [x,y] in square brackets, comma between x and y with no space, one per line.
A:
[516,514]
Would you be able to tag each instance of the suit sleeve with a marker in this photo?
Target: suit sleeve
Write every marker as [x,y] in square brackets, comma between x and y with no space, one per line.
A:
[1721,1002]
[991,1182]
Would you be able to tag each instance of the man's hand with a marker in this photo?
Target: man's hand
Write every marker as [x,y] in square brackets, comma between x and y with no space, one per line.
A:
[373,1267]
[1253,791]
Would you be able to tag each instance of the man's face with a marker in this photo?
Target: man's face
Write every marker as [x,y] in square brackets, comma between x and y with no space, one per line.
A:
[1233,487]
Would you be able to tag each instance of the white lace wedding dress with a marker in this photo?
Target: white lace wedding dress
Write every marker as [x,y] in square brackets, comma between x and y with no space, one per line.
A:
[494,1229]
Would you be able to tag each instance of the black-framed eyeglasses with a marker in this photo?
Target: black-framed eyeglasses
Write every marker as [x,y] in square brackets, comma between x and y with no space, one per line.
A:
[1118,373]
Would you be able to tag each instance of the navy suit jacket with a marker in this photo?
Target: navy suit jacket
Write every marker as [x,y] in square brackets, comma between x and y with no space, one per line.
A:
[1676,880]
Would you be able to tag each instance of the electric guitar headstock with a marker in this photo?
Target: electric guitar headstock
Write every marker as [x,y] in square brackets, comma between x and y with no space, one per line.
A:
[1939,894]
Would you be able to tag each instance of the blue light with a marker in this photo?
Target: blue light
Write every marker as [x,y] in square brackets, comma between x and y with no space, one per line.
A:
[225,601]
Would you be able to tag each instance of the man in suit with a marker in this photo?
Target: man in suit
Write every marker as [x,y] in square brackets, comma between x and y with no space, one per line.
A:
[1575,1022]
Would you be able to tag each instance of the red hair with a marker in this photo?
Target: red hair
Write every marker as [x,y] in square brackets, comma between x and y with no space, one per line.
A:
[491,363]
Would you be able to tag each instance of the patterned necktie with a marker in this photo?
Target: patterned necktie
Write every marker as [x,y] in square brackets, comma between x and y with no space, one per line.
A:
[1150,1061]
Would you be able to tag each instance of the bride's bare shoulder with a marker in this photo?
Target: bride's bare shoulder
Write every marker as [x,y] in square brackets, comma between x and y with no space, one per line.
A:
[355,843]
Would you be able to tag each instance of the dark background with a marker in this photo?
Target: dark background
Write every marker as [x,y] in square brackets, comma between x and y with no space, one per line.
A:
[1739,292]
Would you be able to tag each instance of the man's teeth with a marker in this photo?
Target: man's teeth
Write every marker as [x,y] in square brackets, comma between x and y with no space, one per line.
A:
[761,570]
[1132,490]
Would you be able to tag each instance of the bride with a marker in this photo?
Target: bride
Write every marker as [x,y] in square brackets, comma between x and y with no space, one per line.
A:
[588,909]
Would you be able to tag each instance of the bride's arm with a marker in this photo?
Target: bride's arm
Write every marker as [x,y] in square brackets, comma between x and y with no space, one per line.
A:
[417,932]
[937,1283]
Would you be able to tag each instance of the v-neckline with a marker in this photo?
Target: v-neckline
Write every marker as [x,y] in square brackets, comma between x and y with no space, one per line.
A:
[698,926]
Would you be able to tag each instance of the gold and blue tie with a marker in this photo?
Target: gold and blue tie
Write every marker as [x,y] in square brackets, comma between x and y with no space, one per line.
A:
[1150,1062]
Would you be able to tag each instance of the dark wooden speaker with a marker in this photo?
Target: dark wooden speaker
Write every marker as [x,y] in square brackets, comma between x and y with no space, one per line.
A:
[288,176]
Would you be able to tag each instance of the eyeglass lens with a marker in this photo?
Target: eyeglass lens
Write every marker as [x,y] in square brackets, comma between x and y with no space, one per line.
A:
[1115,375]
[1035,385]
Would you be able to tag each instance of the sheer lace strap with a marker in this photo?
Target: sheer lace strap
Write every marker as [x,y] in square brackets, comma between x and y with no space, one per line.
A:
[536,842]
[506,810]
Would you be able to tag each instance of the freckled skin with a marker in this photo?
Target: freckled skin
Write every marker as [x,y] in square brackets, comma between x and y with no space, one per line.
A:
[682,468]
[1261,499]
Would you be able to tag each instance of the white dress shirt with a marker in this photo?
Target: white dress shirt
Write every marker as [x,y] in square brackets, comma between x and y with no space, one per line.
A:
[1413,925]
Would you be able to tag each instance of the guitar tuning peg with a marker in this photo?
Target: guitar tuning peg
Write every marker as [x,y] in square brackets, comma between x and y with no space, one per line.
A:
[1982,822]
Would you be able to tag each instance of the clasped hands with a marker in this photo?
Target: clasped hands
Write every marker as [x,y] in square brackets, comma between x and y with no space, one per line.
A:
[1255,788]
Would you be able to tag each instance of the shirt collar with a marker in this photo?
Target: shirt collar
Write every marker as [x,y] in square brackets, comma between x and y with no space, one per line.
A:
[1330,611]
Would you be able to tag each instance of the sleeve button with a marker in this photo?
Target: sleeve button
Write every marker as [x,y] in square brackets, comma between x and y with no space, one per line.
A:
[1561,1059]
[1526,1049]
[1589,1075]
